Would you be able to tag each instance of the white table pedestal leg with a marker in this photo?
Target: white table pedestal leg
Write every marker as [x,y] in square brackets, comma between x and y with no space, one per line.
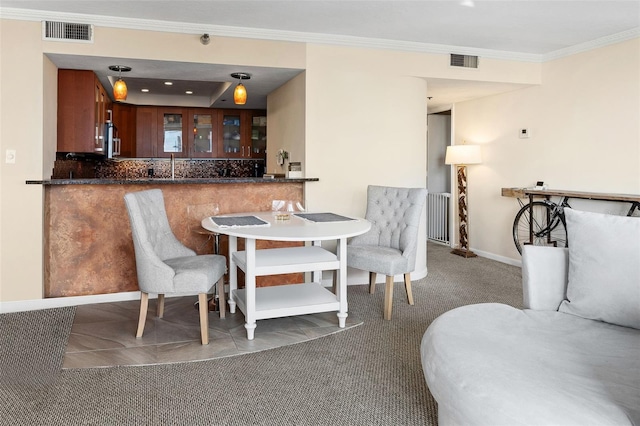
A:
[342,319]
[250,287]
[233,274]
[250,330]
[341,251]
[316,276]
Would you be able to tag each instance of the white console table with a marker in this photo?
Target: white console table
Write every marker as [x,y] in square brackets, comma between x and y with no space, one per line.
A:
[290,299]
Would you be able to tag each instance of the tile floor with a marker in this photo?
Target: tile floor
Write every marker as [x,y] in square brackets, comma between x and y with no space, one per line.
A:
[103,335]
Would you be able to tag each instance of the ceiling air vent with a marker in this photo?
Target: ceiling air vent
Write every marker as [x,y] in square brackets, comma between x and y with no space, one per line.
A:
[464,61]
[67,31]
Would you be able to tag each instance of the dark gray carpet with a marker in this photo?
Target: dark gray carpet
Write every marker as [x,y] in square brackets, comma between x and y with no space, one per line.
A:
[33,345]
[369,375]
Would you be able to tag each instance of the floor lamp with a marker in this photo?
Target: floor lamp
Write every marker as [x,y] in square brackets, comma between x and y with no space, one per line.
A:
[461,156]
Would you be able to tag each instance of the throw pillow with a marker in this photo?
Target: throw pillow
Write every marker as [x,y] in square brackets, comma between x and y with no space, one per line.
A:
[604,267]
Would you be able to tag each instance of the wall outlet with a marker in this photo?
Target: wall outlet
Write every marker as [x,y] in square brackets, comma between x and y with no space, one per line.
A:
[10,157]
[524,134]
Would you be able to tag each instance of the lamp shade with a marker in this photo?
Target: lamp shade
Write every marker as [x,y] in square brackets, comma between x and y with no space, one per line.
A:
[240,95]
[463,154]
[120,90]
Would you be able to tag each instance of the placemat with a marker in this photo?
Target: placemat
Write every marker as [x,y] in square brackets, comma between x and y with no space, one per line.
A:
[323,217]
[238,221]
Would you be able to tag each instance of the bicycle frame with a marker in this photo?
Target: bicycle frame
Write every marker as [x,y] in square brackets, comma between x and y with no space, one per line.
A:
[557,215]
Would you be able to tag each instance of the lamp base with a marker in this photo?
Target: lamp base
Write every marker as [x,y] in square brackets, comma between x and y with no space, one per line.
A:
[464,252]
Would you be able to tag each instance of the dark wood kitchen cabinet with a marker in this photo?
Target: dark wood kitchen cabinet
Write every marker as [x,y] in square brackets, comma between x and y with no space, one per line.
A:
[198,133]
[202,141]
[152,131]
[239,137]
[82,111]
[146,131]
[124,119]
[184,132]
[231,133]
[258,133]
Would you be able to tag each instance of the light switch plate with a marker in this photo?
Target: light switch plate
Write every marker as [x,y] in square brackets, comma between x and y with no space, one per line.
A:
[524,133]
[10,157]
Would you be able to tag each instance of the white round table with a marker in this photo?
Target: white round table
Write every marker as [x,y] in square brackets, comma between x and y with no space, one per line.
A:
[290,299]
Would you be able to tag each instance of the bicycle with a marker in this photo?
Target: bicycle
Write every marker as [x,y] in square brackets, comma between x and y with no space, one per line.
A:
[542,223]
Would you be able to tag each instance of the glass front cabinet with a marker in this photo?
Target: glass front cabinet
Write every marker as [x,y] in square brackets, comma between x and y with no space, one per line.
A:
[203,137]
[199,132]
[233,122]
[243,134]
[172,132]
[258,134]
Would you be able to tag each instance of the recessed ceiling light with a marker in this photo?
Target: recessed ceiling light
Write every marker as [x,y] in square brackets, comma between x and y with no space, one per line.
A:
[189,92]
[168,83]
[144,90]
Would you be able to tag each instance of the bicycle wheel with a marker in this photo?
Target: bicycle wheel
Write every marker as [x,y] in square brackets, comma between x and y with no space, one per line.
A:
[548,230]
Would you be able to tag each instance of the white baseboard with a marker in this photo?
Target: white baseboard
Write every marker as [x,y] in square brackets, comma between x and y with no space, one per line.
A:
[501,259]
[60,302]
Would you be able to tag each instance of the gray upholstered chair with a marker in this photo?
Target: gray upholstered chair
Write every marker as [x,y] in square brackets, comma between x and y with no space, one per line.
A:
[390,246]
[164,265]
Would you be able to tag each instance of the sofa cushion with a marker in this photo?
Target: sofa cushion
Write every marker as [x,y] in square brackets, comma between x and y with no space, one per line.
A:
[492,364]
[604,267]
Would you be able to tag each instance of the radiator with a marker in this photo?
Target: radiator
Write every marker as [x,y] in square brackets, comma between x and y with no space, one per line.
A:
[438,217]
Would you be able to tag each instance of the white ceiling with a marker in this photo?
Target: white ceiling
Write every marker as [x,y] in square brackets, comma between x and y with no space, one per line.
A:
[530,30]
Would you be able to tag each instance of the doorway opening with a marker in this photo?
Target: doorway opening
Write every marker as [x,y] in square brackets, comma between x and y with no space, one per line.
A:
[438,178]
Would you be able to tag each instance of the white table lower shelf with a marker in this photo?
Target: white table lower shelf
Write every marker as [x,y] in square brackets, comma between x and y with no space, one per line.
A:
[288,260]
[291,299]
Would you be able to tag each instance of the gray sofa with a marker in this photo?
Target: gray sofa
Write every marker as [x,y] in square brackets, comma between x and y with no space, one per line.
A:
[571,357]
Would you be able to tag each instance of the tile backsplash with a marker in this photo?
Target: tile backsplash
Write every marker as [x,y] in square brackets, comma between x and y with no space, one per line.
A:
[91,168]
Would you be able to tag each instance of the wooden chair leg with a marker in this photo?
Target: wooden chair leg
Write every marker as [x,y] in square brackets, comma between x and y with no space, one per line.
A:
[372,282]
[203,307]
[407,287]
[144,304]
[221,300]
[160,307]
[388,297]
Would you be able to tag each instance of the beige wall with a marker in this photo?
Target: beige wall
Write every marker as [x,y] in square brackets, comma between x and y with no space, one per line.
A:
[286,123]
[363,127]
[585,136]
[49,119]
[21,129]
[350,147]
[364,114]
[153,45]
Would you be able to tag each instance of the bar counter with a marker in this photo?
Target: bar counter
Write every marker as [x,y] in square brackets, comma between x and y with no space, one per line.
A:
[88,247]
[162,181]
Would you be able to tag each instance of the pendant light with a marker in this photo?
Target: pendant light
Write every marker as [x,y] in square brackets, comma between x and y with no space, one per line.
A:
[240,93]
[120,87]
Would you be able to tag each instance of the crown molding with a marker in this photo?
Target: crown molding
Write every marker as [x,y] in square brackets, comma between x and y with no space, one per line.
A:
[304,37]
[593,44]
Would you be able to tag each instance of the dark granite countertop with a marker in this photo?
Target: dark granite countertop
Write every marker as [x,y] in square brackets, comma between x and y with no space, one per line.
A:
[158,181]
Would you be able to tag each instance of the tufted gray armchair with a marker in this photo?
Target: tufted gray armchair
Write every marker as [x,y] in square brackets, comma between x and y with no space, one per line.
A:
[390,246]
[164,265]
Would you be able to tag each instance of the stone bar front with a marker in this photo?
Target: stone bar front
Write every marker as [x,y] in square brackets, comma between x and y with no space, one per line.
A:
[88,245]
